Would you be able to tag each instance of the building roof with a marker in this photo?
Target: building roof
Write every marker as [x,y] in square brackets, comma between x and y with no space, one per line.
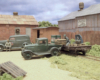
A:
[44,27]
[19,19]
[93,9]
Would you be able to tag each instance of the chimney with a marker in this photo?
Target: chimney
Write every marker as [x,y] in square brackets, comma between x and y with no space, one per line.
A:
[15,13]
[81,6]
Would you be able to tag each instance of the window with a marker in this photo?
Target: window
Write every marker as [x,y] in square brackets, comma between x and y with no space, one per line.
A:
[17,30]
[42,42]
[12,39]
[23,38]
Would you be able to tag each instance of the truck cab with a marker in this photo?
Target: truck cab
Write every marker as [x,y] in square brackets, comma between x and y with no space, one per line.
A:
[42,44]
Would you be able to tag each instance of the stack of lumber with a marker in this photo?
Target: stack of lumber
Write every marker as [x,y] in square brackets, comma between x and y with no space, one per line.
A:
[74,45]
[60,41]
[12,69]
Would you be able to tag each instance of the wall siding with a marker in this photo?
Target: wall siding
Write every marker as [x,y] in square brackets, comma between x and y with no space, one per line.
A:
[90,32]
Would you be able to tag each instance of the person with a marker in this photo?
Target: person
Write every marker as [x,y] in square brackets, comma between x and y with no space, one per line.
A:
[67,40]
[8,45]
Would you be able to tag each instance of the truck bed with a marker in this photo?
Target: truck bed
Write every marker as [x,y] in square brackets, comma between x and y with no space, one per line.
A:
[83,47]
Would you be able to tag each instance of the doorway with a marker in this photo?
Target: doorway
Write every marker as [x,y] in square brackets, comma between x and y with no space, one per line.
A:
[28,31]
[38,33]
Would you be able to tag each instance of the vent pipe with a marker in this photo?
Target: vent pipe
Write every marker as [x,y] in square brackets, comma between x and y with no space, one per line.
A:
[15,13]
[81,6]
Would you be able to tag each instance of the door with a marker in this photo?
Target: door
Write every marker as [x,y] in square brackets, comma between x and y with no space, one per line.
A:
[38,33]
[28,31]
[13,42]
[43,45]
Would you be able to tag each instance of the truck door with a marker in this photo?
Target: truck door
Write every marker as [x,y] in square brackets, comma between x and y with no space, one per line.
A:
[43,45]
[13,42]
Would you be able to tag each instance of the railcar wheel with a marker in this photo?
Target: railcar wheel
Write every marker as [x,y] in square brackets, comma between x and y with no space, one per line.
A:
[27,55]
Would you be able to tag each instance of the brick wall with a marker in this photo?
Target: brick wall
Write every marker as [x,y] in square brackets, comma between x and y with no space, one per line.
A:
[9,30]
[46,32]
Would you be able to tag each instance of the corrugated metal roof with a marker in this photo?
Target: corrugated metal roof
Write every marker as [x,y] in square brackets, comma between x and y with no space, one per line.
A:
[20,19]
[94,9]
[43,27]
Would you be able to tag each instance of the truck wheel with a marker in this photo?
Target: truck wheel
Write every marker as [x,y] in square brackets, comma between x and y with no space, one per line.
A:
[1,48]
[27,55]
[55,52]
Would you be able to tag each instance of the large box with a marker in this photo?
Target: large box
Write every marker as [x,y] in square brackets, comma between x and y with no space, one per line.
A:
[60,41]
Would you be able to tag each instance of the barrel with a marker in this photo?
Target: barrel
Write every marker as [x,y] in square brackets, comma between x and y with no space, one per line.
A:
[58,36]
[53,37]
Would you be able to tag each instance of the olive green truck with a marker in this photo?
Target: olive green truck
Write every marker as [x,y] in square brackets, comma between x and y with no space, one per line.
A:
[17,42]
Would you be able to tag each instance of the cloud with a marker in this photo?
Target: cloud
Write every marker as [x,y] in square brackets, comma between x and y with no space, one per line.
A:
[43,10]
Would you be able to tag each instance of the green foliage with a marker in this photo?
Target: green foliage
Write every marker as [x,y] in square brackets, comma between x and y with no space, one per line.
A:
[46,24]
[82,68]
[87,43]
[95,50]
[9,77]
[59,60]
[72,41]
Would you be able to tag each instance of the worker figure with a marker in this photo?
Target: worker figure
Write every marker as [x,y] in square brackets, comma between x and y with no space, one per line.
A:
[8,45]
[78,38]
[67,39]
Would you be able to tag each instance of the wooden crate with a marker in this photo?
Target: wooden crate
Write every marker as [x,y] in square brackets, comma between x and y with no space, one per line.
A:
[60,41]
[12,69]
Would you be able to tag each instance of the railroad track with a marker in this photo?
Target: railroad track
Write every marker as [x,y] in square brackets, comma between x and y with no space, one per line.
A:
[90,57]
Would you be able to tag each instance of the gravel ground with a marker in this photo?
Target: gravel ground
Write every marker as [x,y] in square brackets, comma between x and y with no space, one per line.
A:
[37,69]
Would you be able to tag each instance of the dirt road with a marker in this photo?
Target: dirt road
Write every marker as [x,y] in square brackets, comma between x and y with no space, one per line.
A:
[37,69]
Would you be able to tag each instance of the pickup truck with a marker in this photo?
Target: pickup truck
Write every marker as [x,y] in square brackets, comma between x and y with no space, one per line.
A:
[41,47]
[17,42]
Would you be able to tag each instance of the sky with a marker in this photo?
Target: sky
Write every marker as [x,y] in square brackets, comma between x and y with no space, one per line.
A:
[43,10]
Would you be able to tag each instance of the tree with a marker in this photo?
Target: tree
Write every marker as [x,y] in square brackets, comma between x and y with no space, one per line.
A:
[46,24]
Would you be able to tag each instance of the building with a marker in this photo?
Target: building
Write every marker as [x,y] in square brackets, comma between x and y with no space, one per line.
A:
[45,32]
[17,25]
[84,21]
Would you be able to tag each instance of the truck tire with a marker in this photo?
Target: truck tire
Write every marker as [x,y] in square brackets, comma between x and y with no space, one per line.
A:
[27,55]
[1,48]
[54,52]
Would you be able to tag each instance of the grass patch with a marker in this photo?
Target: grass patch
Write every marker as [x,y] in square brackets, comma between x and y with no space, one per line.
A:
[94,51]
[81,68]
[9,77]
